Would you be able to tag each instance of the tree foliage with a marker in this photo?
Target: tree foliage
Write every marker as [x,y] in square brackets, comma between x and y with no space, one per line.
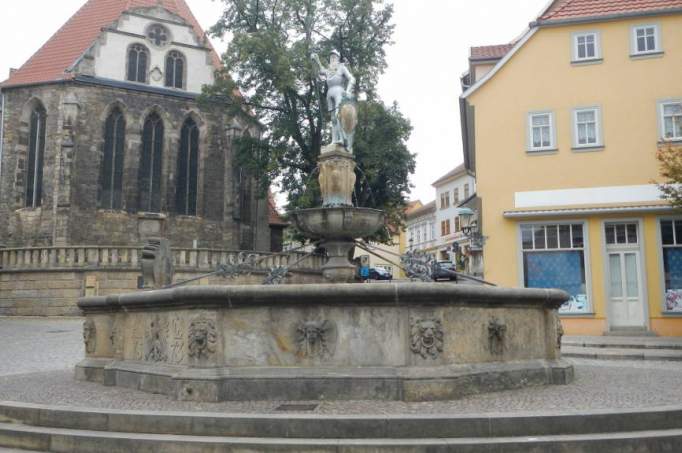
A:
[269,61]
[670,160]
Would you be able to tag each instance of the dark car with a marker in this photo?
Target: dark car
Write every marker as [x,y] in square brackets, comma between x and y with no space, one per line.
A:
[445,271]
[378,273]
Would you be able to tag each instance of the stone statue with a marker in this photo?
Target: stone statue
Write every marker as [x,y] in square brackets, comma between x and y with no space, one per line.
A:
[340,99]
[157,263]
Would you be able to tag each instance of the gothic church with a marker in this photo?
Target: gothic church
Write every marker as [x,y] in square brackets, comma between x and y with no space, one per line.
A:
[102,140]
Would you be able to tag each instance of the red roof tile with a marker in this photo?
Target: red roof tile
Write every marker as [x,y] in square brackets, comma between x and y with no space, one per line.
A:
[579,9]
[61,51]
[490,52]
[274,217]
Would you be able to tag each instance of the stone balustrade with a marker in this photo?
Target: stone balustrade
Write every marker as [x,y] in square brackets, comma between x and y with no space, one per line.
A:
[116,257]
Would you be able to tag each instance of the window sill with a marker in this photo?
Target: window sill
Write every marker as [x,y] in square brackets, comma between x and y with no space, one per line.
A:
[645,55]
[540,152]
[669,141]
[587,62]
[587,149]
[672,314]
[578,315]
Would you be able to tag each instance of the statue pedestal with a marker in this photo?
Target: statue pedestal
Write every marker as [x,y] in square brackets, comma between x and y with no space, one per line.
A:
[338,269]
[337,176]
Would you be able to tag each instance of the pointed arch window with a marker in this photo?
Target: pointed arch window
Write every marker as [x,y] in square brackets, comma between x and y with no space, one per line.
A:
[36,155]
[188,169]
[111,169]
[149,177]
[138,58]
[175,69]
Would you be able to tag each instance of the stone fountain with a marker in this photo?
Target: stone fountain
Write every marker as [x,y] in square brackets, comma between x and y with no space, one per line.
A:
[409,341]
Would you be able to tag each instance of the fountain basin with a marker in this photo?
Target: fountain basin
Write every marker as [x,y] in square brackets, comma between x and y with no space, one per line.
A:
[340,223]
[397,341]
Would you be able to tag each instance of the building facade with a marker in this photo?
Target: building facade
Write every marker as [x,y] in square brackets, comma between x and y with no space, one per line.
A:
[452,189]
[104,142]
[562,134]
[420,225]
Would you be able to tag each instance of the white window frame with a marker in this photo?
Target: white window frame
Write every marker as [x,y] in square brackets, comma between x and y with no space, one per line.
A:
[597,46]
[661,119]
[598,128]
[586,256]
[634,51]
[552,132]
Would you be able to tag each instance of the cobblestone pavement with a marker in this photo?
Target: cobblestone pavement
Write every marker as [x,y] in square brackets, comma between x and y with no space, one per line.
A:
[39,344]
[46,350]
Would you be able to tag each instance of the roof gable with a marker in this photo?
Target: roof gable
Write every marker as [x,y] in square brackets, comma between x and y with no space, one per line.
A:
[561,10]
[54,60]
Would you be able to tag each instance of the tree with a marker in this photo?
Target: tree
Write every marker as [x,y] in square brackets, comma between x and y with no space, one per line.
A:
[670,160]
[268,60]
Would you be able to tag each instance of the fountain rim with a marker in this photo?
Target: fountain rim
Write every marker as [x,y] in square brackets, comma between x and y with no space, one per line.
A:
[328,294]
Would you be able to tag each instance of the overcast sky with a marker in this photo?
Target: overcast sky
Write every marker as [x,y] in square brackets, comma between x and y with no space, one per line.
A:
[430,53]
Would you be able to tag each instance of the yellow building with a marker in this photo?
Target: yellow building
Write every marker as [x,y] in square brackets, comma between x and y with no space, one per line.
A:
[561,128]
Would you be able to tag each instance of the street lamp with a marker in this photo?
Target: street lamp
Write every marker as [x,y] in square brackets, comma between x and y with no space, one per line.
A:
[466,215]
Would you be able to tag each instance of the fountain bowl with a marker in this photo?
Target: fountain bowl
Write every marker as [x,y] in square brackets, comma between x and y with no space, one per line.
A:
[338,222]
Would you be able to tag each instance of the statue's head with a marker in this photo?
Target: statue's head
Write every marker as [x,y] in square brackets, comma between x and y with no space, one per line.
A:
[334,56]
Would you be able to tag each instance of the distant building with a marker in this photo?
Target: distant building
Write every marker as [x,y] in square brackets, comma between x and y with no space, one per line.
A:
[421,228]
[452,189]
[561,129]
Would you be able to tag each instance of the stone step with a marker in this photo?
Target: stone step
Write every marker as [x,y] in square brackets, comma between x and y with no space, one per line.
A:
[624,342]
[321,426]
[612,353]
[83,441]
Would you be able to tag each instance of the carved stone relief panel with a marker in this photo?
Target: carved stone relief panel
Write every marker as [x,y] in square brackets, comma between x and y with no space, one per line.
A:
[315,339]
[90,336]
[497,331]
[202,337]
[176,340]
[116,338]
[138,336]
[157,348]
[426,337]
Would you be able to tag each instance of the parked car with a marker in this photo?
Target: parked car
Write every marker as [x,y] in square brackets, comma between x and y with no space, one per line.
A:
[379,273]
[444,271]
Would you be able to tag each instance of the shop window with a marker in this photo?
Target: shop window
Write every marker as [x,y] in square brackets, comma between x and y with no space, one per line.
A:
[554,257]
[671,239]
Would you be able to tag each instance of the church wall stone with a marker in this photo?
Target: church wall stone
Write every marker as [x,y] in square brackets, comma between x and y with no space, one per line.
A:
[69,215]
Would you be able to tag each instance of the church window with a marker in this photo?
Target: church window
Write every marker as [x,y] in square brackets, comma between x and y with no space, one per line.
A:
[36,154]
[111,169]
[158,35]
[138,57]
[149,176]
[175,69]
[188,169]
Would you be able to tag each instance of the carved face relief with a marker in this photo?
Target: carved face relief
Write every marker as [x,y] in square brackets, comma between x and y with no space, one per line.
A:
[426,337]
[202,338]
[496,336]
[89,336]
[315,339]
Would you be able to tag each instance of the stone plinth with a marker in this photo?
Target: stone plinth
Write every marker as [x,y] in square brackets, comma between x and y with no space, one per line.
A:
[337,176]
[409,341]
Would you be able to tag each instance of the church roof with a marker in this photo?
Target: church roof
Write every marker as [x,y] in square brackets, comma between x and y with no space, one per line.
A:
[52,61]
